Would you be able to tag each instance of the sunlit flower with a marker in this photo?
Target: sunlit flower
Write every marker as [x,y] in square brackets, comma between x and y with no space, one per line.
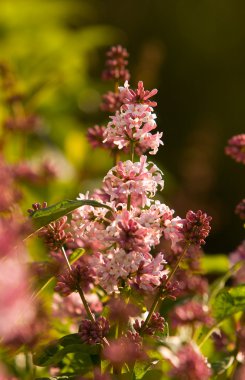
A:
[139,180]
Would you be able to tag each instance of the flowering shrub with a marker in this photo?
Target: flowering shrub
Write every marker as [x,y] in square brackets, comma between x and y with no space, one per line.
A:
[122,292]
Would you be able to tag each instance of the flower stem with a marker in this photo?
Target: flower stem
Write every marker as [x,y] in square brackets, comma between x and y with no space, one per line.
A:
[79,289]
[209,333]
[161,291]
[85,304]
[178,262]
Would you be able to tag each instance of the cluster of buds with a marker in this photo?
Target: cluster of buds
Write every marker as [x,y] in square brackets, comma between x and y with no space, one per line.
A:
[93,332]
[116,70]
[80,276]
[236,148]
[116,64]
[196,227]
[55,234]
[37,206]
[155,326]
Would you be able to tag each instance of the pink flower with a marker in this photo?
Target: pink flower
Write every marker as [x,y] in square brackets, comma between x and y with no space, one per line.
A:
[174,232]
[140,180]
[129,234]
[191,312]
[134,124]
[140,95]
[191,365]
[150,273]
[236,148]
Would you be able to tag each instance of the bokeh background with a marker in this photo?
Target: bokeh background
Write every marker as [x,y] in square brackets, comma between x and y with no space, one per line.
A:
[191,50]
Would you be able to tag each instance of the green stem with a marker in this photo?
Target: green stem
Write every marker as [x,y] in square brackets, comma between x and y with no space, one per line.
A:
[160,291]
[85,304]
[178,262]
[210,332]
[79,289]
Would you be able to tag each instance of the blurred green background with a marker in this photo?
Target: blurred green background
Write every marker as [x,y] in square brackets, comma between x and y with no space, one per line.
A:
[191,50]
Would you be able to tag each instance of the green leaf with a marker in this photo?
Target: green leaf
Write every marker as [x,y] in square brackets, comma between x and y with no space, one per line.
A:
[54,353]
[141,368]
[79,252]
[153,374]
[228,302]
[221,366]
[70,339]
[42,217]
[216,263]
[219,284]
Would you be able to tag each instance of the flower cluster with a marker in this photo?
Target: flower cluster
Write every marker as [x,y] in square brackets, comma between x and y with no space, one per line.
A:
[55,234]
[155,326]
[196,227]
[191,365]
[191,312]
[236,148]
[116,259]
[70,281]
[116,64]
[134,122]
[92,332]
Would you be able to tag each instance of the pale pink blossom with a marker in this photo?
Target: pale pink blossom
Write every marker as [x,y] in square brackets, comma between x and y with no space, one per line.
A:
[134,122]
[133,267]
[134,125]
[140,180]
[174,232]
[151,272]
[130,234]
